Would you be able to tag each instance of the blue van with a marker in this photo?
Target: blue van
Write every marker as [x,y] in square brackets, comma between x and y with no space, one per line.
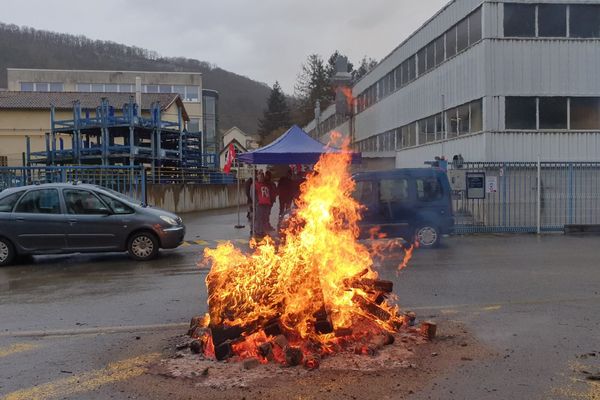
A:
[411,203]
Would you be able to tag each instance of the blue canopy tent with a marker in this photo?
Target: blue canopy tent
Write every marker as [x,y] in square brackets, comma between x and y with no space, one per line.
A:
[293,147]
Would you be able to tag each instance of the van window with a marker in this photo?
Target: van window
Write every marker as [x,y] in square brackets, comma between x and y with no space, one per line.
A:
[365,192]
[7,203]
[429,189]
[393,190]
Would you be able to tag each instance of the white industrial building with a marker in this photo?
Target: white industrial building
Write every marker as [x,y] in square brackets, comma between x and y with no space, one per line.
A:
[489,80]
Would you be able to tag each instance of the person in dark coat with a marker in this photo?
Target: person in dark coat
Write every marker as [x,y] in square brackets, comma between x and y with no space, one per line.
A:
[285,190]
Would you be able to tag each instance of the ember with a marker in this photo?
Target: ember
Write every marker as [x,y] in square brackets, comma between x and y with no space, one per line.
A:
[311,296]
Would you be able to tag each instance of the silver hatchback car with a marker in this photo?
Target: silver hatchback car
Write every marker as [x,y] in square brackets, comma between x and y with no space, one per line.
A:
[77,218]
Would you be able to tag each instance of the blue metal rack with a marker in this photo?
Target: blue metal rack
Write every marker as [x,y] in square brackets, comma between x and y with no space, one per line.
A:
[124,137]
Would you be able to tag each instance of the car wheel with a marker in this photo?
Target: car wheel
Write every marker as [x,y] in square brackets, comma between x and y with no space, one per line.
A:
[7,252]
[142,246]
[427,236]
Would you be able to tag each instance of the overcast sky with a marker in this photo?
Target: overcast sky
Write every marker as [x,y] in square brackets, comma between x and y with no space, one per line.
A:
[266,40]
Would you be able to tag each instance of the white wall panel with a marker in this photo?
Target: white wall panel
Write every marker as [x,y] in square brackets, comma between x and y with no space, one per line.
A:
[472,148]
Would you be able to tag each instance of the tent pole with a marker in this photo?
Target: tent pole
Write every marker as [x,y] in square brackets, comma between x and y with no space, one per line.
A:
[253,229]
[239,224]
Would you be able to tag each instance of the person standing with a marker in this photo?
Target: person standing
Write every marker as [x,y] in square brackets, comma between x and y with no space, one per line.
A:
[263,205]
[285,190]
[273,194]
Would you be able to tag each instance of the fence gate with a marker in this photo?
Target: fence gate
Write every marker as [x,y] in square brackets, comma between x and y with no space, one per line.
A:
[130,181]
[506,197]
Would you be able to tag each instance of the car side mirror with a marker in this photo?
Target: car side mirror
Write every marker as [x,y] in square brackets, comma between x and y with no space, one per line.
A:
[105,211]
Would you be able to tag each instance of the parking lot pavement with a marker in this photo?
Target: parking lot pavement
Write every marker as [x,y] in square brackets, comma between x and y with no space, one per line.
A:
[97,318]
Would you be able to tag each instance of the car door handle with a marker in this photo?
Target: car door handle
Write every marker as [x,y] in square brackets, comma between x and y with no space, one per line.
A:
[20,219]
[72,221]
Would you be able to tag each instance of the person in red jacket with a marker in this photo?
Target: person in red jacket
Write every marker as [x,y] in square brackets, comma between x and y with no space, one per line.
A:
[263,205]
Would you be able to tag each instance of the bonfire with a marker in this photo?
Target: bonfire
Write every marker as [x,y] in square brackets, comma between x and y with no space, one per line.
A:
[311,295]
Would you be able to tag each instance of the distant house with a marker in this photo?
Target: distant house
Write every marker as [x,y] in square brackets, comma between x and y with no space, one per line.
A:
[242,142]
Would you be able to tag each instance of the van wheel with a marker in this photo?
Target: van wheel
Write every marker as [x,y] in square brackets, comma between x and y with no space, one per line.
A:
[7,252]
[142,246]
[427,236]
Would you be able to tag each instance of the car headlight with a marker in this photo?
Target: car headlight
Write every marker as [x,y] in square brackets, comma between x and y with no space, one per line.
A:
[169,220]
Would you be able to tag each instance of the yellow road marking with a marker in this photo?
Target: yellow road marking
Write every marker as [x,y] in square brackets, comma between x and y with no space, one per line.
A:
[185,244]
[17,348]
[242,241]
[87,381]
[201,242]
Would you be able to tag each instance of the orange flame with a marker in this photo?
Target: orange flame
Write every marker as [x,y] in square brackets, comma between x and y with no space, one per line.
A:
[307,273]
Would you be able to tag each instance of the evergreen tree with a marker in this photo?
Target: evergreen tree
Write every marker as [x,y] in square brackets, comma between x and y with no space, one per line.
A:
[277,114]
[366,65]
[313,84]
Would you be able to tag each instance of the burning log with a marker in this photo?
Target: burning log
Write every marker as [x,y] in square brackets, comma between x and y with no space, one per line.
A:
[371,285]
[371,308]
[273,327]
[224,350]
[341,332]
[266,351]
[428,329]
[281,341]
[196,347]
[312,361]
[323,324]
[293,356]
[221,334]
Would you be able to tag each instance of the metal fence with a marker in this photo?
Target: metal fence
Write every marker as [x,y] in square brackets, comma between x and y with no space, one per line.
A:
[130,181]
[506,197]
[166,175]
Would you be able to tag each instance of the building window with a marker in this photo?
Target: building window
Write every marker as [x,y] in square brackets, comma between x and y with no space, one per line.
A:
[164,89]
[97,87]
[427,128]
[27,87]
[584,20]
[553,112]
[151,88]
[42,87]
[408,136]
[552,20]
[430,55]
[439,50]
[412,68]
[476,116]
[451,43]
[585,113]
[111,88]
[520,113]
[421,60]
[462,35]
[463,119]
[398,77]
[519,20]
[192,93]
[475,32]
[193,125]
[126,88]
[83,87]
[57,87]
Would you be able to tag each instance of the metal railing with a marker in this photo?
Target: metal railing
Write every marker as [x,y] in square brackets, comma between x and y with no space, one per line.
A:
[130,181]
[526,196]
[166,175]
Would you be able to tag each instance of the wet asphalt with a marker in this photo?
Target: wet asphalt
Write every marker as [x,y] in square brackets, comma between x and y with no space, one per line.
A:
[534,302]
